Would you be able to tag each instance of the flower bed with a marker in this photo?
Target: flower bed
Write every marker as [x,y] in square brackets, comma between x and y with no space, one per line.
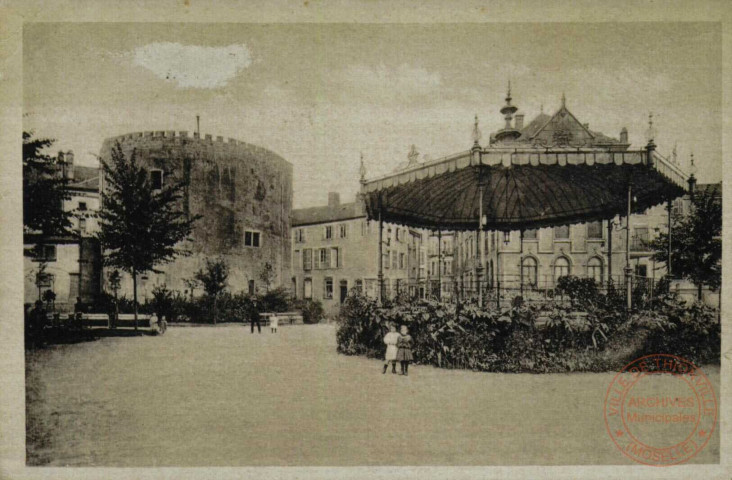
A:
[593,335]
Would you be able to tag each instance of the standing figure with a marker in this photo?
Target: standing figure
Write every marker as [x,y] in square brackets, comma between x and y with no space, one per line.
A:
[404,349]
[254,317]
[273,323]
[390,339]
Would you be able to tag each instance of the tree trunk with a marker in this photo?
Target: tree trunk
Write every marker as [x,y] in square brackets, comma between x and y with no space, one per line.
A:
[116,310]
[134,295]
[215,313]
[699,292]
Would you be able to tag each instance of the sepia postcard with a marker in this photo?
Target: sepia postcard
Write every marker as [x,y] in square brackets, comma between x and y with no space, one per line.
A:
[364,240]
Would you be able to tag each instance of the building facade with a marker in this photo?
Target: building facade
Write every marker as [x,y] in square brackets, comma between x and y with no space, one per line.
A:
[243,194]
[336,249]
[69,265]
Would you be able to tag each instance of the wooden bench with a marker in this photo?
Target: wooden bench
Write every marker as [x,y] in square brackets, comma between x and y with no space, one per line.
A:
[284,317]
[127,320]
[95,320]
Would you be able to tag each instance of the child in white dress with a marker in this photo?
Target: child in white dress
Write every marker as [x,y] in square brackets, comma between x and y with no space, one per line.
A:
[390,339]
[273,323]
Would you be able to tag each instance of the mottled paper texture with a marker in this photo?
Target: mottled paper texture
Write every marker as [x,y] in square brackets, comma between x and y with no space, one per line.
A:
[316,98]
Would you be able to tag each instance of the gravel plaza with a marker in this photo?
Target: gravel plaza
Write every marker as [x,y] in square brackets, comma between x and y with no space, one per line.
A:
[221,396]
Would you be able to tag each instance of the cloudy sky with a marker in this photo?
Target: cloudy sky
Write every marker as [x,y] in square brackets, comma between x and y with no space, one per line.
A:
[320,95]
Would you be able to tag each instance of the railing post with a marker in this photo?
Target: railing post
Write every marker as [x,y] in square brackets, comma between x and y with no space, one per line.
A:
[628,270]
[381,258]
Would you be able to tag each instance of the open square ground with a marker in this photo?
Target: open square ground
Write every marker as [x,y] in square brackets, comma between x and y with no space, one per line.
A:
[225,397]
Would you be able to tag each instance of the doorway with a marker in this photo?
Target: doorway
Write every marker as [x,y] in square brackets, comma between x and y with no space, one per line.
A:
[344,290]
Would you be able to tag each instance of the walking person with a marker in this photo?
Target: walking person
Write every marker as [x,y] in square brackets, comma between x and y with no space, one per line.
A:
[254,317]
[273,323]
[404,350]
[390,339]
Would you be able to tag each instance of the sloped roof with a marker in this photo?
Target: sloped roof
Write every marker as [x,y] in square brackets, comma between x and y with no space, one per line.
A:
[326,214]
[534,126]
[544,130]
[85,178]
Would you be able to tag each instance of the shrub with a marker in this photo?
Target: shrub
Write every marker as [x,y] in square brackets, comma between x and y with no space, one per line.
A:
[312,310]
[582,292]
[511,340]
[277,300]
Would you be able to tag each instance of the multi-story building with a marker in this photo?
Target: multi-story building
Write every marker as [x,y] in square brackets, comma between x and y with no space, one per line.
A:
[336,249]
[440,252]
[68,265]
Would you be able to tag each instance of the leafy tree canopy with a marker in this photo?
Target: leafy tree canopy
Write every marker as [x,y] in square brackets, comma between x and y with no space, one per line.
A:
[44,189]
[696,245]
[141,226]
[214,276]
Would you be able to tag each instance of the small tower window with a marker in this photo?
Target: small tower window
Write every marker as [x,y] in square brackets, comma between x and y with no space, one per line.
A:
[156,179]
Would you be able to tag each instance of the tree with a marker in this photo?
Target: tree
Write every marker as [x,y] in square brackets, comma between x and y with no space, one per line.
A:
[141,226]
[44,190]
[267,275]
[696,246]
[214,277]
[115,282]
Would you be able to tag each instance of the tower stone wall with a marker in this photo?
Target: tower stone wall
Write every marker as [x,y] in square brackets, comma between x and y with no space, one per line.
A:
[237,188]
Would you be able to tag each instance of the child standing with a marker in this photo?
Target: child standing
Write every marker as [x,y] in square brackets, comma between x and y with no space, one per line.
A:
[390,339]
[273,323]
[404,349]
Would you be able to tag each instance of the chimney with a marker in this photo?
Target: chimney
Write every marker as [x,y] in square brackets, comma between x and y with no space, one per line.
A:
[334,199]
[70,164]
[624,135]
[519,121]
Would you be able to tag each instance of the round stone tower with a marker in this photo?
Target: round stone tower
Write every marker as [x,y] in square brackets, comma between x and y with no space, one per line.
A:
[242,192]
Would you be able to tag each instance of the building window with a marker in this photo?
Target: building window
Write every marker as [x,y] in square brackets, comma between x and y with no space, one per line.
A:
[640,239]
[401,261]
[365,228]
[156,179]
[322,260]
[300,235]
[82,206]
[41,253]
[334,258]
[307,259]
[594,230]
[307,288]
[447,270]
[506,237]
[343,230]
[594,269]
[328,232]
[530,234]
[394,260]
[561,268]
[529,272]
[561,232]
[677,208]
[359,286]
[82,225]
[251,287]
[251,238]
[385,258]
[328,291]
[641,270]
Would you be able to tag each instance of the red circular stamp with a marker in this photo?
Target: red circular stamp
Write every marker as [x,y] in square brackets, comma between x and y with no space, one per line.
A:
[660,410]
